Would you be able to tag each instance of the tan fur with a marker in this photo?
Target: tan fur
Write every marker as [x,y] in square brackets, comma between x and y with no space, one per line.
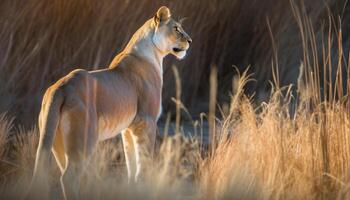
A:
[86,107]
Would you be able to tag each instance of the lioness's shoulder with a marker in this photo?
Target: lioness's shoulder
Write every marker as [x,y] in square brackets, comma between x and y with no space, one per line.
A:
[123,59]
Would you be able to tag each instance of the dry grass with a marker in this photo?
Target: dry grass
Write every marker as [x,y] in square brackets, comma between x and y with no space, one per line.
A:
[295,145]
[258,155]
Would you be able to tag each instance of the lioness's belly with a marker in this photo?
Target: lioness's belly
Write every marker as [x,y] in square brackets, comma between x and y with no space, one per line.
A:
[116,117]
[108,128]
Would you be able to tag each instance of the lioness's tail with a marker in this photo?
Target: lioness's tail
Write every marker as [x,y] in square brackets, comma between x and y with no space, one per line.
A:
[48,123]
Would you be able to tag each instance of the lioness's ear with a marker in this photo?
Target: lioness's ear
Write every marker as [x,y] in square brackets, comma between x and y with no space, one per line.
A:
[162,15]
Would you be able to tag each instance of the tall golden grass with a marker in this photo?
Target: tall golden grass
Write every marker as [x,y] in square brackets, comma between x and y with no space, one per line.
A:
[294,145]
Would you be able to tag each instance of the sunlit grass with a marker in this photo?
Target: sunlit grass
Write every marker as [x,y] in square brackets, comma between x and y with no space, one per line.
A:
[293,145]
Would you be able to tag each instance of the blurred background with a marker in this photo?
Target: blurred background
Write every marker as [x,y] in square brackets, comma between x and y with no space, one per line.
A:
[41,41]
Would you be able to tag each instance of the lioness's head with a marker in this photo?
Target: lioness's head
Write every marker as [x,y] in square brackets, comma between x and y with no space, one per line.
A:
[169,36]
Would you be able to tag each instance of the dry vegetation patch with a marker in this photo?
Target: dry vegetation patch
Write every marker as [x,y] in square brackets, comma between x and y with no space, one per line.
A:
[281,142]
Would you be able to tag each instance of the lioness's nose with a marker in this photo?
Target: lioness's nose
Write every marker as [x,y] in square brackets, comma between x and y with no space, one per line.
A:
[189,40]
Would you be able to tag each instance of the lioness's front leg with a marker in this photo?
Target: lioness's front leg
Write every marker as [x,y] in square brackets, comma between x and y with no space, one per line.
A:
[129,152]
[144,133]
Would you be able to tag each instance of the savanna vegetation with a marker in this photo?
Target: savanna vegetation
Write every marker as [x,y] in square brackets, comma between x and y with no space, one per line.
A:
[262,97]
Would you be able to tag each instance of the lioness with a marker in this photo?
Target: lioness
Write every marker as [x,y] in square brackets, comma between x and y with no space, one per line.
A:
[86,107]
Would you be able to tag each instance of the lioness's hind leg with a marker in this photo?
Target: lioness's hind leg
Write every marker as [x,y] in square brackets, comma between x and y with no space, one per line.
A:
[70,179]
[74,170]
[80,140]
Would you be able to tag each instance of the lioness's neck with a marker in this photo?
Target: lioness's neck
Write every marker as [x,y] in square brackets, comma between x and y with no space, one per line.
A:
[142,46]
